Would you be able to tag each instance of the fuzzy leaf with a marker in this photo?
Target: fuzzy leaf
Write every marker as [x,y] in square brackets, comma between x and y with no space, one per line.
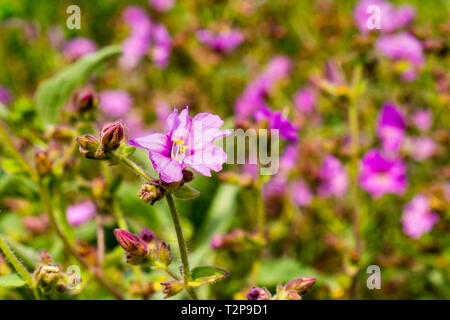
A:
[186,193]
[54,92]
[207,275]
[12,281]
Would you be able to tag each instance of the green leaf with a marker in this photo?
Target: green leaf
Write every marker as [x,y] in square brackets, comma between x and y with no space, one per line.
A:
[207,275]
[11,166]
[186,193]
[54,92]
[12,281]
[282,270]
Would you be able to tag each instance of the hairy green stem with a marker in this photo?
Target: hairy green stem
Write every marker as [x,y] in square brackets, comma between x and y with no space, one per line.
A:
[19,267]
[181,245]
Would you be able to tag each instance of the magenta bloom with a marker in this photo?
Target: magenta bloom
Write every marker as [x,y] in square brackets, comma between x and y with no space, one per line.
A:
[420,148]
[78,47]
[115,102]
[276,120]
[334,178]
[405,47]
[301,193]
[138,42]
[305,99]
[417,217]
[80,213]
[253,97]
[423,119]
[390,18]
[257,293]
[380,175]
[161,5]
[162,45]
[6,96]
[222,42]
[289,158]
[187,143]
[391,128]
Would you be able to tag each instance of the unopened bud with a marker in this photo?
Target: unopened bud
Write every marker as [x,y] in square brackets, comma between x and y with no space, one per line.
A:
[43,164]
[131,243]
[86,98]
[46,258]
[98,187]
[300,285]
[147,235]
[163,253]
[151,192]
[171,288]
[112,135]
[89,146]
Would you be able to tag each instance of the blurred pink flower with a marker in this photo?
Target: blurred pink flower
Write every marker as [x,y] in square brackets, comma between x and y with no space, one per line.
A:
[391,128]
[423,119]
[223,42]
[276,120]
[78,47]
[115,103]
[380,175]
[80,213]
[420,148]
[162,45]
[305,99]
[391,18]
[6,96]
[417,218]
[334,178]
[161,5]
[301,193]
[188,142]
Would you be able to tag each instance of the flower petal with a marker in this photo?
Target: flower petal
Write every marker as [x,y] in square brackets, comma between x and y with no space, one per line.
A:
[155,142]
[169,170]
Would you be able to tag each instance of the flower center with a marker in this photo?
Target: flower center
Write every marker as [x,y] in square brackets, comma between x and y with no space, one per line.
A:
[178,150]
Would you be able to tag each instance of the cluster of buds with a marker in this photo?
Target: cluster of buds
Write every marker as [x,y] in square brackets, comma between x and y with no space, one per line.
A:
[293,290]
[111,136]
[49,277]
[144,249]
[237,239]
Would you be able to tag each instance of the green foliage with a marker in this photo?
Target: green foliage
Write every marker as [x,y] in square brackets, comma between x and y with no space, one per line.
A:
[12,281]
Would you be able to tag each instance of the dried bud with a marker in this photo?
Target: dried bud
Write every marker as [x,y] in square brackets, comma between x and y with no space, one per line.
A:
[257,293]
[112,135]
[89,146]
[171,288]
[85,99]
[188,176]
[163,253]
[147,235]
[43,164]
[131,243]
[61,286]
[99,187]
[300,285]
[151,192]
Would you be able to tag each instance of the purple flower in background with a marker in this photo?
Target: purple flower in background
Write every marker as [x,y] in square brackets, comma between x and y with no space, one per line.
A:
[161,5]
[276,120]
[334,178]
[305,99]
[162,45]
[6,96]
[115,103]
[258,294]
[417,217]
[78,47]
[188,142]
[420,148]
[289,158]
[138,42]
[80,213]
[391,18]
[275,187]
[391,128]
[402,46]
[423,119]
[253,97]
[380,175]
[222,42]
[301,193]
